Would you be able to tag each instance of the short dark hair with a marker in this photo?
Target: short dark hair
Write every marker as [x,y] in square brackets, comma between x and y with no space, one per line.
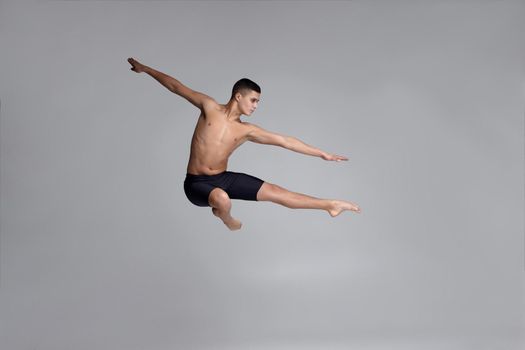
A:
[245,84]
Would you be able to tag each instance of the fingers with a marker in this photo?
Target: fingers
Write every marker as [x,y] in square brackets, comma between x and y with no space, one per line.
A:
[133,63]
[333,157]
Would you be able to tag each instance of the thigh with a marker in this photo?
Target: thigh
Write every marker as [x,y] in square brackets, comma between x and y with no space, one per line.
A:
[243,186]
[198,192]
[269,192]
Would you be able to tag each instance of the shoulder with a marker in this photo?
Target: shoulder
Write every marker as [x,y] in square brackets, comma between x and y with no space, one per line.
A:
[209,103]
[250,128]
[210,107]
[257,134]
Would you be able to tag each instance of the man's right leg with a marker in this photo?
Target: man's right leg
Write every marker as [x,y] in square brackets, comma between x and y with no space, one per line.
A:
[221,205]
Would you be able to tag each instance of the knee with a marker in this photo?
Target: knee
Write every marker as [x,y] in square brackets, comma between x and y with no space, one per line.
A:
[219,199]
[269,192]
[274,189]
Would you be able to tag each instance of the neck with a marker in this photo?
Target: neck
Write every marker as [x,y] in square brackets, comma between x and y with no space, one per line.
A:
[232,110]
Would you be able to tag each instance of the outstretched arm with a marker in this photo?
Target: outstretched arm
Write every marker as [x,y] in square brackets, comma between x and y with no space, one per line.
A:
[259,135]
[196,98]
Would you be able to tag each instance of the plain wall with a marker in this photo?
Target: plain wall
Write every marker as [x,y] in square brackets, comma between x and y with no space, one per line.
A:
[100,249]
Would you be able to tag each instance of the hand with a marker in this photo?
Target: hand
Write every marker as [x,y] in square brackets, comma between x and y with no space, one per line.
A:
[136,66]
[328,156]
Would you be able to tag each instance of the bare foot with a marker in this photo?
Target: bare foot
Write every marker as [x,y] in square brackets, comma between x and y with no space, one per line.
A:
[338,207]
[233,224]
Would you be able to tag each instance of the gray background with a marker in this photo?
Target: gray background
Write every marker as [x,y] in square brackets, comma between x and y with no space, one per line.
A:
[100,249]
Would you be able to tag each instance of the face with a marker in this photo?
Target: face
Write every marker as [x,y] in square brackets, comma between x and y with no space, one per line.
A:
[248,102]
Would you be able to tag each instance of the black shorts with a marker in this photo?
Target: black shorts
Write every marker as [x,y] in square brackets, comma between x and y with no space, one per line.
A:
[236,185]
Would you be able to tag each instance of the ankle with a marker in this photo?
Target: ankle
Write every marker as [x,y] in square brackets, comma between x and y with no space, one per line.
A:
[330,205]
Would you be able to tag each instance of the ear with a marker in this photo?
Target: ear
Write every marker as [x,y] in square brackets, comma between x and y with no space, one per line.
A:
[238,96]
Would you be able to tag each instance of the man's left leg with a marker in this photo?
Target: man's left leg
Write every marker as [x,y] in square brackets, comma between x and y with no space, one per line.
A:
[294,200]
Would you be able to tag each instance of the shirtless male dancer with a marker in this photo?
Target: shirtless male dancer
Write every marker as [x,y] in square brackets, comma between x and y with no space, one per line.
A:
[219,131]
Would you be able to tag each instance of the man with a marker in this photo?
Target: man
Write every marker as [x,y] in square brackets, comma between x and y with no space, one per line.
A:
[219,131]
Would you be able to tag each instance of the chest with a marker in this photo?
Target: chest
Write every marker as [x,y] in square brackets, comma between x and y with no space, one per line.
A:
[221,132]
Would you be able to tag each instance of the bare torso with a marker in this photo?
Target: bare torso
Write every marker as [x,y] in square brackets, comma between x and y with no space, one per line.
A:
[214,140]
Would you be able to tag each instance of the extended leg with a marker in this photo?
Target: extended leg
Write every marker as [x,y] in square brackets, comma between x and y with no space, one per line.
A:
[294,200]
[221,206]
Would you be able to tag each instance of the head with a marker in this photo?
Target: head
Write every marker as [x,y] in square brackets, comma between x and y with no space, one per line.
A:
[246,93]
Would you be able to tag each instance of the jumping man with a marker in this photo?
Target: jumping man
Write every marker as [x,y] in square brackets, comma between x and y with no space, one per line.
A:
[219,131]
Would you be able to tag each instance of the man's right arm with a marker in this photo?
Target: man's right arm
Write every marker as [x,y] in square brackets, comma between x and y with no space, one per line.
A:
[196,98]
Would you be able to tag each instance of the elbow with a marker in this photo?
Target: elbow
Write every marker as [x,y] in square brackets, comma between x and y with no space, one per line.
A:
[173,88]
[287,142]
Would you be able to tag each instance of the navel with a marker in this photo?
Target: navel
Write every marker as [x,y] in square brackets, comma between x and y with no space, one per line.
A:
[209,124]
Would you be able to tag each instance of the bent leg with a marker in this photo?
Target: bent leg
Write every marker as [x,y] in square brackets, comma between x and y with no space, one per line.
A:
[294,200]
[221,206]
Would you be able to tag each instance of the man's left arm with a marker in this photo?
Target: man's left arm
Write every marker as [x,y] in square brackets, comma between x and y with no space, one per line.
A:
[259,135]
